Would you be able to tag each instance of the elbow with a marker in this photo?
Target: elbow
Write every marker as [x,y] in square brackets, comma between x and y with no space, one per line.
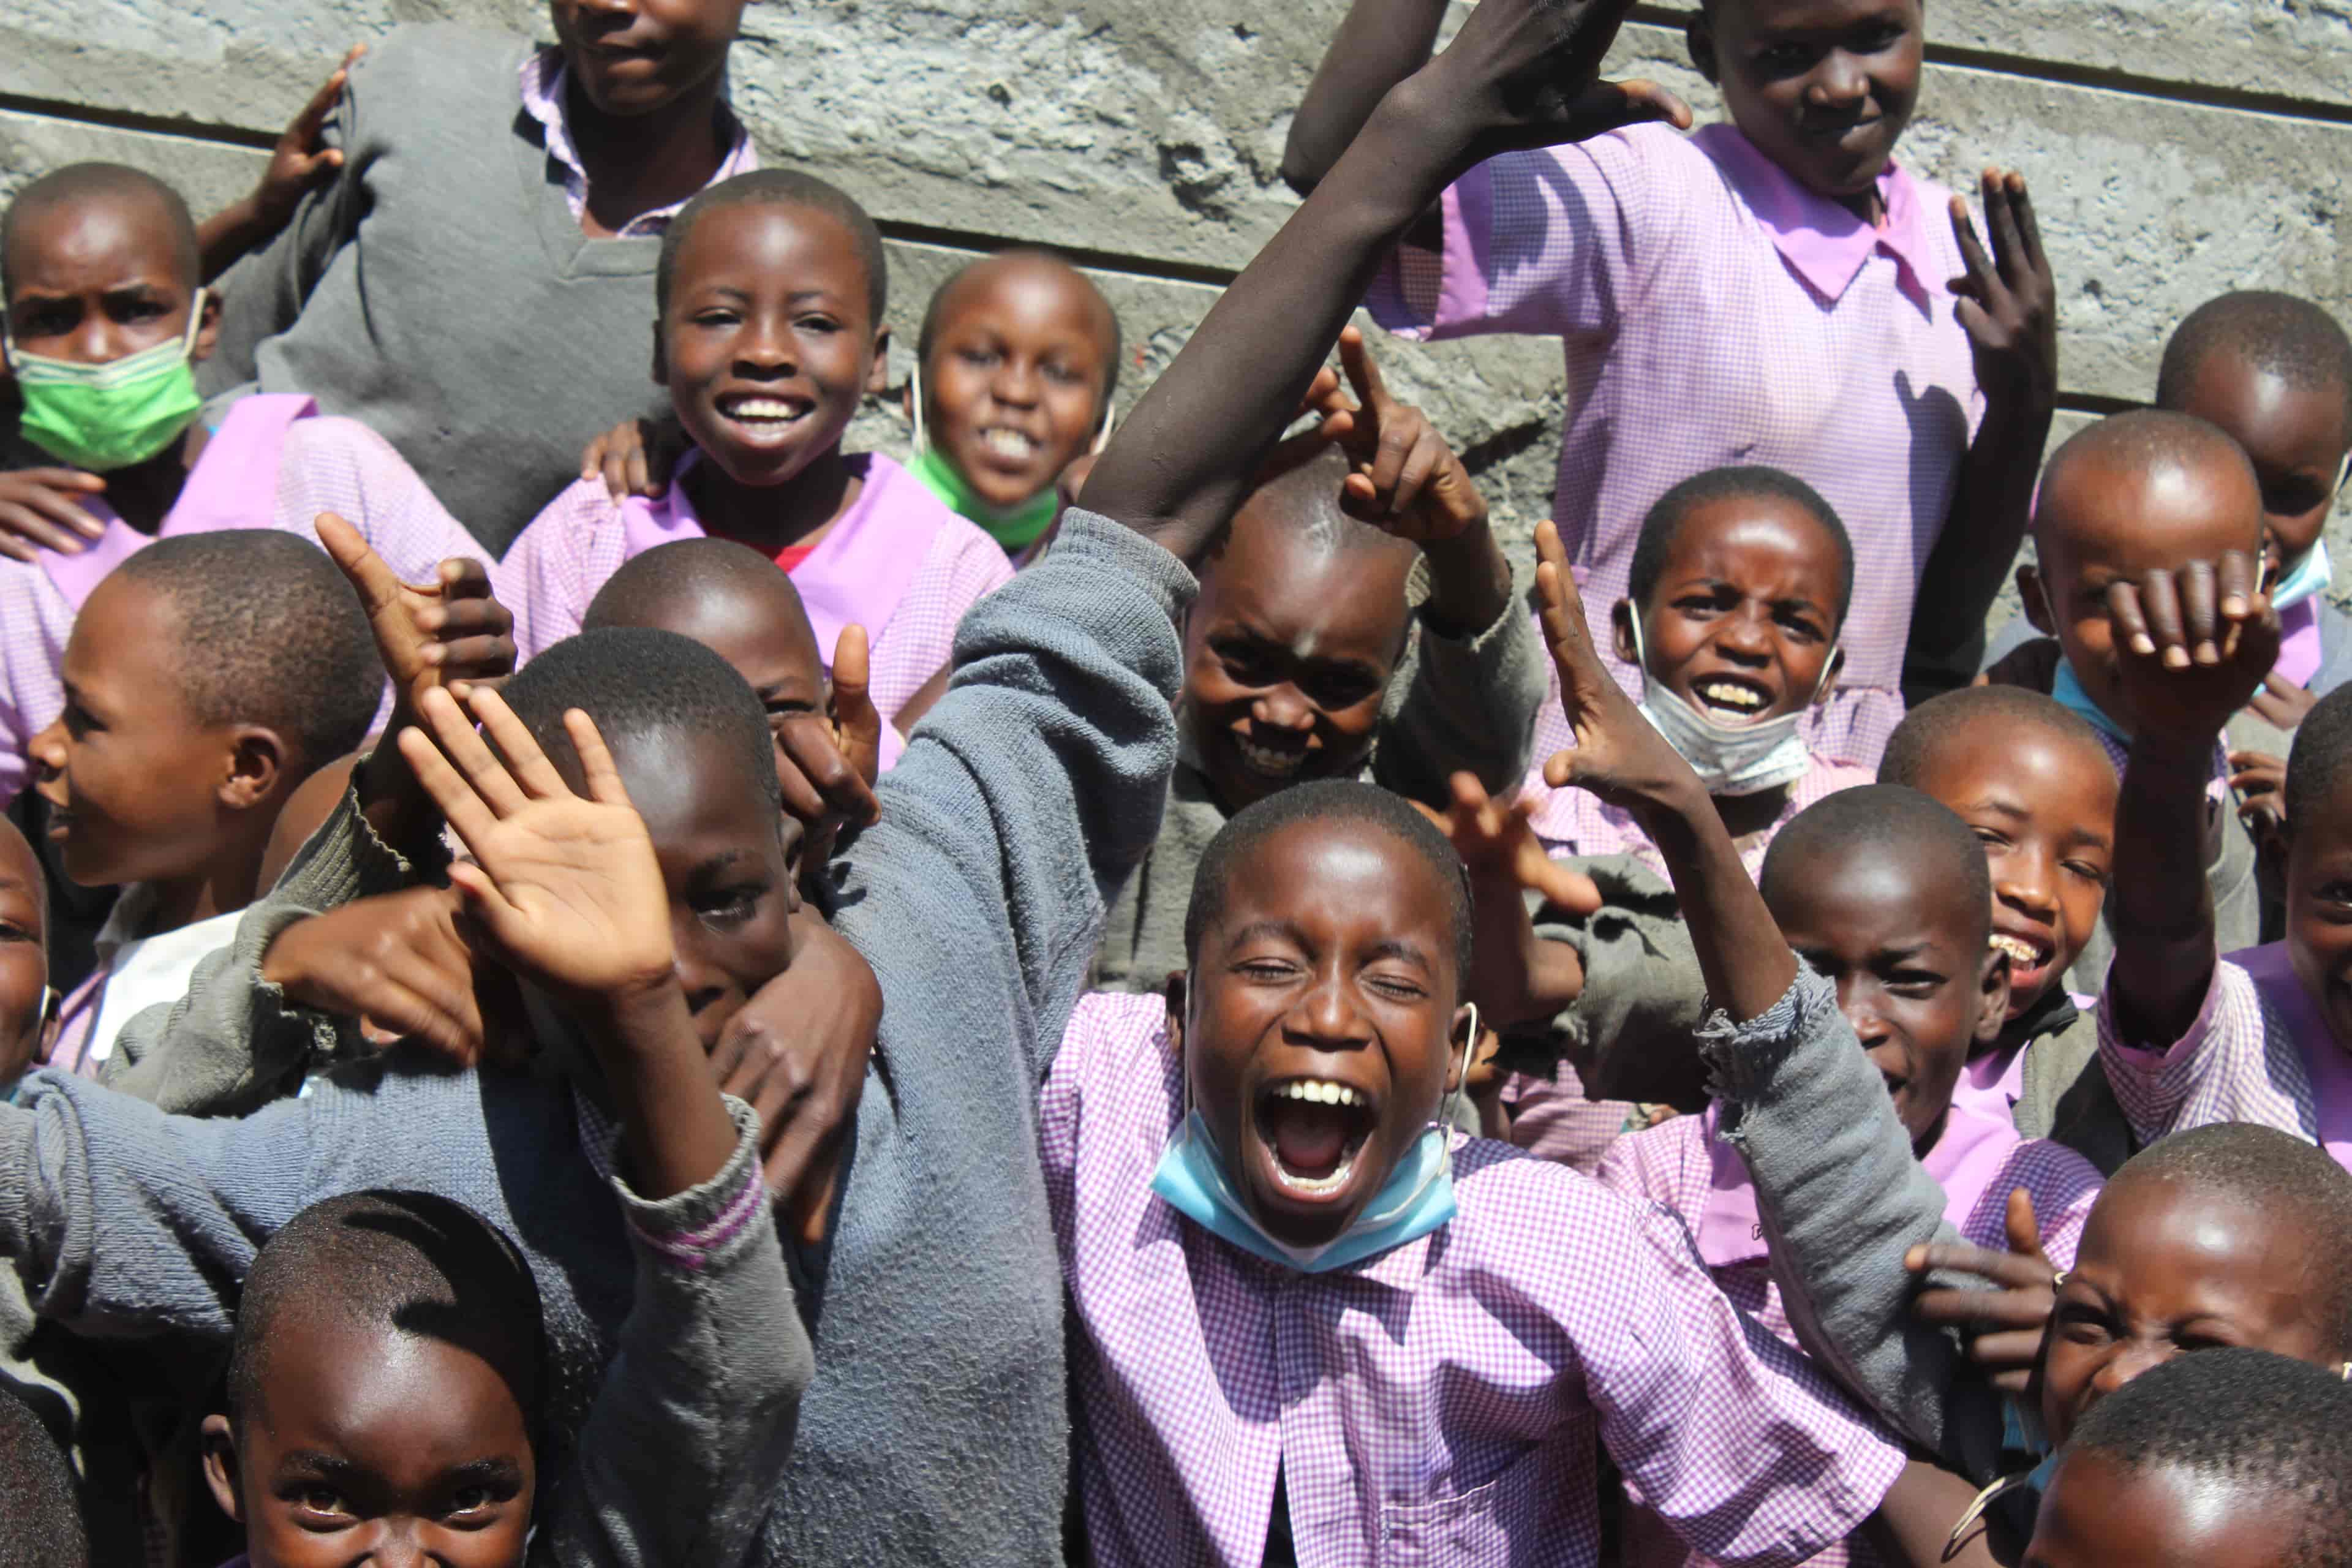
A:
[1305,160]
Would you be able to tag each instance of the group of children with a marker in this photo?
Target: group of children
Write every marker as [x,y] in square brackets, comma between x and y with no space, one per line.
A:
[1132,988]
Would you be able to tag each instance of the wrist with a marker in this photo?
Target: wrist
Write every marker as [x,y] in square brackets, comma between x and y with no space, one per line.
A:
[1434,114]
[1469,580]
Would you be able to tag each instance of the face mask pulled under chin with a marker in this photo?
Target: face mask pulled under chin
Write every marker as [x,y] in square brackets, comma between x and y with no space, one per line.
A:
[106,416]
[1730,760]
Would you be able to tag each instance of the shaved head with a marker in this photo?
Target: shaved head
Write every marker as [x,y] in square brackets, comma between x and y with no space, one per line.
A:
[2145,450]
[81,184]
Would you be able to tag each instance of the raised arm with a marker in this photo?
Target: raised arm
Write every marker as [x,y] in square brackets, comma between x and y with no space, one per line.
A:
[1522,73]
[1379,44]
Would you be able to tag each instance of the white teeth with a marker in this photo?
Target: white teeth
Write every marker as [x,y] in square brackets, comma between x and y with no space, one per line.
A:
[1266,760]
[1729,695]
[1314,1186]
[1318,1091]
[2023,953]
[761,408]
[1007,443]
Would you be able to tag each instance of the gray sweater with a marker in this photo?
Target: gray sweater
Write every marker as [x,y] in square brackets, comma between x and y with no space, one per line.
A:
[1454,705]
[440,291]
[936,1429]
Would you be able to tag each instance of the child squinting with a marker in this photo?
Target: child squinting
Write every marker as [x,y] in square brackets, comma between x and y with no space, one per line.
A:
[771,333]
[1014,372]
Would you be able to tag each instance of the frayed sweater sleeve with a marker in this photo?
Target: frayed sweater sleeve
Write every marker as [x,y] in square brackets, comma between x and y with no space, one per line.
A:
[236,1041]
[690,1435]
[1632,1031]
[1463,705]
[1841,1196]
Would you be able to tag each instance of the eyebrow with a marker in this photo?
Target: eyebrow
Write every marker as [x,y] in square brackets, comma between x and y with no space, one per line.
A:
[1258,930]
[1398,947]
[720,862]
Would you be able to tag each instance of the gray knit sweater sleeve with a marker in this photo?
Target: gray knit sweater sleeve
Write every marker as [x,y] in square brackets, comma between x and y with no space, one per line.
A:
[1035,786]
[234,1041]
[1842,1198]
[1463,705]
[1633,1032]
[688,1441]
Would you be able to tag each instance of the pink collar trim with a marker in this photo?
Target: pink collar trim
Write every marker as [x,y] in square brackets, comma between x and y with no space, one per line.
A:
[1820,241]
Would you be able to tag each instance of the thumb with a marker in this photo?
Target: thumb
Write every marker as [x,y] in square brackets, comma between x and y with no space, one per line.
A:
[375,583]
[2024,1230]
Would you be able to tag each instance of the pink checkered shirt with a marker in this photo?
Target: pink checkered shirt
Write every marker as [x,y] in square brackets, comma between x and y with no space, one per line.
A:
[1578,822]
[556,566]
[1438,1403]
[1714,311]
[326,464]
[1672,1166]
[543,76]
[2259,1050]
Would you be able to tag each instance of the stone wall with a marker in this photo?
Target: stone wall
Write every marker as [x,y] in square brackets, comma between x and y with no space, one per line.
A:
[2178,148]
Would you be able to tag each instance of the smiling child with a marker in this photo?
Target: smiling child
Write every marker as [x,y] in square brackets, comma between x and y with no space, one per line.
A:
[2032,781]
[770,299]
[1014,373]
[1772,290]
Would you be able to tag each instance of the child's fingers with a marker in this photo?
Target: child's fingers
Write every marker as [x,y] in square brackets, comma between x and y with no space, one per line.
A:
[2001,218]
[597,768]
[2019,1224]
[2200,612]
[452,796]
[377,586]
[1977,281]
[2019,1307]
[491,779]
[2235,581]
[2160,608]
[2125,614]
[2009,1270]
[485,904]
[1562,887]
[2020,202]
[1364,371]
[1429,449]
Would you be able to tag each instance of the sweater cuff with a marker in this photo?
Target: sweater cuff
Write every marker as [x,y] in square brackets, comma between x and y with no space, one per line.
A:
[1090,537]
[1741,1058]
[703,1225]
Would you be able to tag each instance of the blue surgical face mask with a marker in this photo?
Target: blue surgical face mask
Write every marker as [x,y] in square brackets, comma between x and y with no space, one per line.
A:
[1416,1199]
[2309,576]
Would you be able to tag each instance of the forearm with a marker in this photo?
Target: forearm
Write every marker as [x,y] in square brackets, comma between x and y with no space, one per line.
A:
[1991,506]
[673,1124]
[1741,954]
[1915,1523]
[1469,581]
[1182,461]
[224,238]
[1465,701]
[2162,909]
[1379,44]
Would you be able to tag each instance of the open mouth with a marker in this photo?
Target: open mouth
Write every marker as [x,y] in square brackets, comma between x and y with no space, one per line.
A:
[1314,1128]
[764,419]
[1269,761]
[1732,696]
[2029,958]
[1010,447]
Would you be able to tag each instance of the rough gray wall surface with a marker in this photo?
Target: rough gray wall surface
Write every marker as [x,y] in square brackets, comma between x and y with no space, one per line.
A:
[2178,148]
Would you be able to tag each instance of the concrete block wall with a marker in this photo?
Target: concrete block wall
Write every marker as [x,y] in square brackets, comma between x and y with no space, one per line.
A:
[2178,148]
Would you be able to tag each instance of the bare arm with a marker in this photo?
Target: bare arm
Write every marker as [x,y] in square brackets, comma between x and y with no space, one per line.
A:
[1379,44]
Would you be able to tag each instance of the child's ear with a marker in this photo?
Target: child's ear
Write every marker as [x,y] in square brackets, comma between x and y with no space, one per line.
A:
[1621,630]
[209,325]
[1699,34]
[1993,993]
[220,1466]
[2037,603]
[256,768]
[878,375]
[1176,994]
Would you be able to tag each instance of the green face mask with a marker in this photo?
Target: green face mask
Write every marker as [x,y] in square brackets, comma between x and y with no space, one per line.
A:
[111,416]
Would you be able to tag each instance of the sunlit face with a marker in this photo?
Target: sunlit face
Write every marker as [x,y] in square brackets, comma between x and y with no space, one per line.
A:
[1823,87]
[1287,653]
[372,1445]
[1016,375]
[1743,620]
[2044,806]
[1320,1028]
[2163,1268]
[2295,437]
[635,58]
[97,280]
[1905,949]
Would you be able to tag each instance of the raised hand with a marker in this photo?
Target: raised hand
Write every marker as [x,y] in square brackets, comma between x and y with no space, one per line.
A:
[1518,976]
[1530,71]
[828,762]
[2192,646]
[40,509]
[397,963]
[1619,755]
[565,887]
[1407,480]
[298,161]
[2009,301]
[2006,1323]
[449,632]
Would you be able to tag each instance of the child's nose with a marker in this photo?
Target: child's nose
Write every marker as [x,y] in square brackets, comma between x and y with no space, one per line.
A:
[49,747]
[1745,634]
[1841,81]
[1284,708]
[2127,1362]
[1327,1016]
[1016,384]
[2027,886]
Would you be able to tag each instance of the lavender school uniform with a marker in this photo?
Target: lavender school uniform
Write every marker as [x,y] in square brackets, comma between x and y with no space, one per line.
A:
[936,1431]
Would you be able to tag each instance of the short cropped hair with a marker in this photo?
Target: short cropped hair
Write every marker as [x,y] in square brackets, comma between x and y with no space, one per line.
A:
[635,681]
[269,633]
[1302,494]
[2140,441]
[1348,801]
[101,182]
[682,572]
[40,1517]
[2297,341]
[399,1262]
[2323,745]
[1895,820]
[1936,720]
[2269,1172]
[1664,523]
[780,188]
[1040,256]
[2262,1425]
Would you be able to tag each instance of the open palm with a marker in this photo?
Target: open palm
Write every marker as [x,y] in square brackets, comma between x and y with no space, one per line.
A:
[566,887]
[1619,755]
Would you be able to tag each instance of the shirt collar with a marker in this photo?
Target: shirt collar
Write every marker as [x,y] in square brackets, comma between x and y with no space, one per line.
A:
[545,78]
[1820,241]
